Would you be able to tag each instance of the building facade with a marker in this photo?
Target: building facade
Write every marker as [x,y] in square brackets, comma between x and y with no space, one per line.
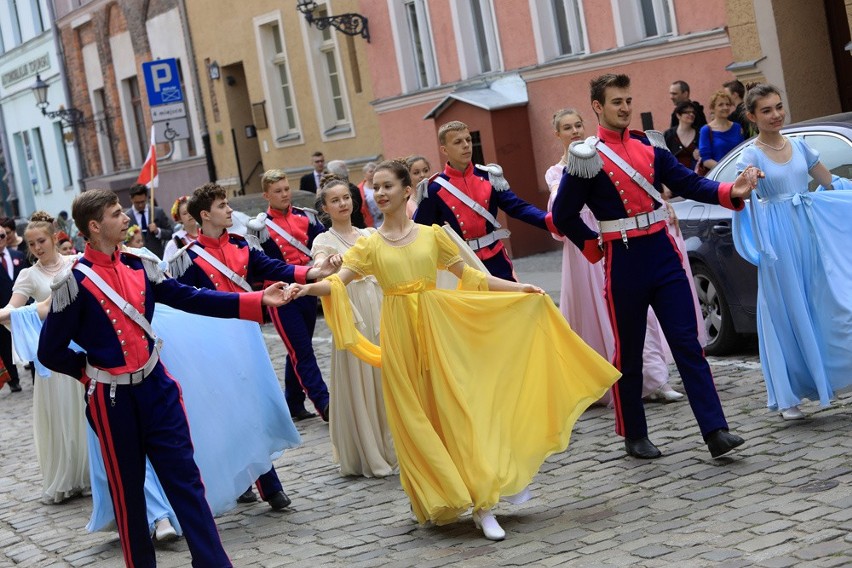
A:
[505,67]
[105,43]
[40,159]
[275,90]
[801,47]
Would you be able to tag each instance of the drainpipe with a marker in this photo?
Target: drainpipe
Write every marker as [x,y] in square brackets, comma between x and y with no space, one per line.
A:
[199,101]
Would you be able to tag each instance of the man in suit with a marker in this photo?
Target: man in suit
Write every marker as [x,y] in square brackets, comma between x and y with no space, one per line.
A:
[311,181]
[156,229]
[11,264]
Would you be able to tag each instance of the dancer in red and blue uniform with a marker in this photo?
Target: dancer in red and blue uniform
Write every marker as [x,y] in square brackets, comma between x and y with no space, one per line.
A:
[468,197]
[105,305]
[222,261]
[287,233]
[619,175]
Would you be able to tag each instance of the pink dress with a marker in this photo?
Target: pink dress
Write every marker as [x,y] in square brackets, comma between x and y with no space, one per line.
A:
[582,303]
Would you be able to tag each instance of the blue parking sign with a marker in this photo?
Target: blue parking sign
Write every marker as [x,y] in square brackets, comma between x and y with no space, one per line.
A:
[162,82]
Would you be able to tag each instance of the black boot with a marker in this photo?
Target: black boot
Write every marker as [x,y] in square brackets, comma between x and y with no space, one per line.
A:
[641,448]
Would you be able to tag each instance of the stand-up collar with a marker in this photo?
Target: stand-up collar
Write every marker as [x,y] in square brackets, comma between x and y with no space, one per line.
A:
[452,172]
[100,258]
[277,213]
[213,242]
[610,136]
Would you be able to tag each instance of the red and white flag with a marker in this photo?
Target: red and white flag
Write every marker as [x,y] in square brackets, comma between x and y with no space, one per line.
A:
[149,176]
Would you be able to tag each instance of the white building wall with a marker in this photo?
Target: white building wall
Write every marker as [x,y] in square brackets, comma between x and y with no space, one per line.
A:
[49,183]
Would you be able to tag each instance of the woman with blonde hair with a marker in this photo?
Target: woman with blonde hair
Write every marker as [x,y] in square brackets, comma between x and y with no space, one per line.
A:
[59,422]
[360,437]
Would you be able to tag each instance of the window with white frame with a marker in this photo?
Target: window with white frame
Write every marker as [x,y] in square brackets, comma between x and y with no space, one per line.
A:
[41,160]
[138,142]
[38,18]
[64,160]
[479,50]
[15,22]
[639,20]
[413,34]
[561,27]
[329,80]
[272,53]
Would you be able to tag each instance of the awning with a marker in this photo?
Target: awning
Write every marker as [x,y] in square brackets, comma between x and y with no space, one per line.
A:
[506,92]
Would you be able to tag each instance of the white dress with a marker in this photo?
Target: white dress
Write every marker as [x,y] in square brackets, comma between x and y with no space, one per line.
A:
[59,419]
[360,436]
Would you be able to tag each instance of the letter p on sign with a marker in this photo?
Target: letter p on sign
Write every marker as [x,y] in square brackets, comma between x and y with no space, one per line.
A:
[162,82]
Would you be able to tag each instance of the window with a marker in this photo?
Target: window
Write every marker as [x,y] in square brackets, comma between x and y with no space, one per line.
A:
[104,129]
[64,161]
[273,55]
[136,120]
[413,39]
[477,32]
[639,20]
[561,27]
[38,20]
[26,160]
[835,152]
[328,80]
[15,21]
[41,160]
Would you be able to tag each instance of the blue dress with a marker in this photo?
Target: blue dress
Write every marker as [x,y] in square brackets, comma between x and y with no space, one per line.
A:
[714,144]
[799,242]
[236,411]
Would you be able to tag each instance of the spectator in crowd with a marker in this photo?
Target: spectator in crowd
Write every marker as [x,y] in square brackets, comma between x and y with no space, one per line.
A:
[311,181]
[682,139]
[419,168]
[736,91]
[14,241]
[369,208]
[11,264]
[156,226]
[721,135]
[359,219]
[679,92]
[64,244]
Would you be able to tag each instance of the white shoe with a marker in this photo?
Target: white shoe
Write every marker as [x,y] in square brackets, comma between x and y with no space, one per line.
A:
[792,413]
[665,394]
[518,498]
[164,531]
[485,520]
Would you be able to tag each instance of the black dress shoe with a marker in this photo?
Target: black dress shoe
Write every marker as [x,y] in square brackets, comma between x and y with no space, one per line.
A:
[302,415]
[15,387]
[247,497]
[721,442]
[278,501]
[641,448]
[324,413]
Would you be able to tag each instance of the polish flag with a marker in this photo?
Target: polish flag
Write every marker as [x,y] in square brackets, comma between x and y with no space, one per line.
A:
[149,176]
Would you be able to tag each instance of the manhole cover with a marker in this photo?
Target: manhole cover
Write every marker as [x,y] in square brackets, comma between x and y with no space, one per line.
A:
[817,486]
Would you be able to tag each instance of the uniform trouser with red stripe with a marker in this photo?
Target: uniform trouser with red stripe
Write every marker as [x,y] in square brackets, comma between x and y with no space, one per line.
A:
[149,419]
[268,484]
[500,266]
[295,324]
[648,271]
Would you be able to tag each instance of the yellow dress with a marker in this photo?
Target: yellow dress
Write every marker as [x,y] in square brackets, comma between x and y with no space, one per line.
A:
[480,387]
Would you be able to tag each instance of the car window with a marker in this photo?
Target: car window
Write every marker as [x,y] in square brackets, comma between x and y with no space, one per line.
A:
[835,152]
[727,172]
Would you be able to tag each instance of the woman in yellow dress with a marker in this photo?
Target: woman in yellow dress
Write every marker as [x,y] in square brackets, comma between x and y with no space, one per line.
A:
[480,387]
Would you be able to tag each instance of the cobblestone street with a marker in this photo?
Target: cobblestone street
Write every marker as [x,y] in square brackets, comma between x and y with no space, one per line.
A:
[783,499]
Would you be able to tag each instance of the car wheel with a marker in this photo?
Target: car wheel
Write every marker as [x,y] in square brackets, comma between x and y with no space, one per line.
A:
[721,337]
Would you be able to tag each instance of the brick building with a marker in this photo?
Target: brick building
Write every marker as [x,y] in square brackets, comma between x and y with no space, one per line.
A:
[105,43]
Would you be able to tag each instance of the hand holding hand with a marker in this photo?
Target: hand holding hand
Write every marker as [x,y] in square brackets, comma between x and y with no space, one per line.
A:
[276,295]
[746,182]
[327,266]
[298,290]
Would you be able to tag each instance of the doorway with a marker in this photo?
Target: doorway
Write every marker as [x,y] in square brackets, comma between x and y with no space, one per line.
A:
[243,134]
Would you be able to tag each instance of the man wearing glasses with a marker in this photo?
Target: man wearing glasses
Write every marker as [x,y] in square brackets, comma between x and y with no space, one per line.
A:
[11,264]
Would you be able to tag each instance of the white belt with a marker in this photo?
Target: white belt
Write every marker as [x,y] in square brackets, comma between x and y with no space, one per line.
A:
[488,239]
[640,221]
[133,378]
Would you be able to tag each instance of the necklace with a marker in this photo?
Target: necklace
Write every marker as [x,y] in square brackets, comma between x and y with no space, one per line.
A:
[53,269]
[778,149]
[396,240]
[339,236]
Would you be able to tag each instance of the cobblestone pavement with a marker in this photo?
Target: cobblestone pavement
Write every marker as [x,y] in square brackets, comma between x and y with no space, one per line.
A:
[783,499]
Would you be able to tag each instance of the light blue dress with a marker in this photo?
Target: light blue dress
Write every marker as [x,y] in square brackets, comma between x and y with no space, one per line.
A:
[238,418]
[800,243]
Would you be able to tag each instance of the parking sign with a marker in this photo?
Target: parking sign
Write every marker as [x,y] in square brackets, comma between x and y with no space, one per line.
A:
[162,82]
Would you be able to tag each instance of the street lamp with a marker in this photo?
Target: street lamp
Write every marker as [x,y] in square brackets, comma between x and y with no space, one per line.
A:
[69,116]
[349,24]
